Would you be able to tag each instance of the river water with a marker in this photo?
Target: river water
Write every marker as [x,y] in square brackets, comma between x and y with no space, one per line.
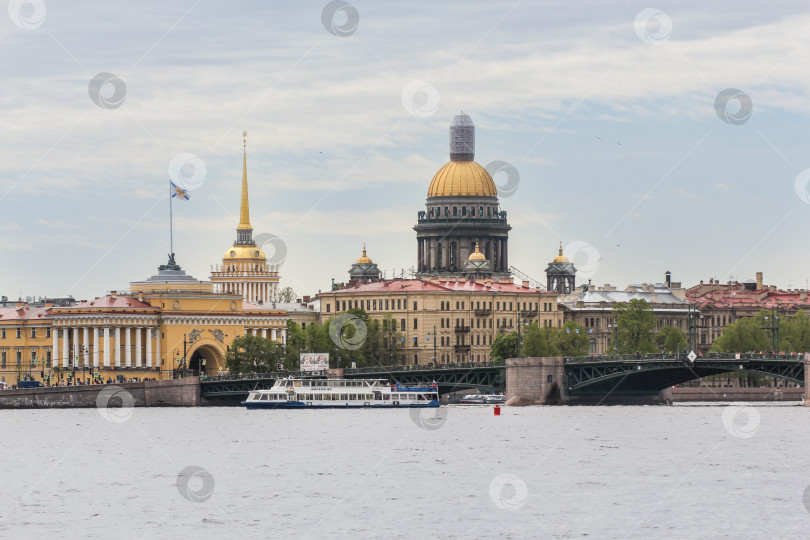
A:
[702,471]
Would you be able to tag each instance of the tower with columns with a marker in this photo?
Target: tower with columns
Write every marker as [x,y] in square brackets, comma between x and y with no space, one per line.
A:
[244,269]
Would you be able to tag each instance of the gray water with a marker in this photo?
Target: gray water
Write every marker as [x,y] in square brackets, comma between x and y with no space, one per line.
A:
[551,472]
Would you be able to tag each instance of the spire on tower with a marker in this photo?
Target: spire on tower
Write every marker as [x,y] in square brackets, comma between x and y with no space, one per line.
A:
[244,232]
[462,138]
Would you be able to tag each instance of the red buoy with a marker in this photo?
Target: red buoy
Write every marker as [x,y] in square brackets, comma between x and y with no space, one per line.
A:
[497,410]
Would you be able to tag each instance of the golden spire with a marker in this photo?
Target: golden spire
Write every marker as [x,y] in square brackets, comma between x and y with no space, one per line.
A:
[244,212]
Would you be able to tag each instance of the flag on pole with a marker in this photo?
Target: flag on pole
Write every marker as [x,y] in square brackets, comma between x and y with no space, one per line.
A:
[179,192]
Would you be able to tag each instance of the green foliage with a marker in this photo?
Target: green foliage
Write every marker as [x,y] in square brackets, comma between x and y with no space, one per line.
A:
[636,322]
[504,346]
[253,354]
[572,340]
[754,334]
[671,339]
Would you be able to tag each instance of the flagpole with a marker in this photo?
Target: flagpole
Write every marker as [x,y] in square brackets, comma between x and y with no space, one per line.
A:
[171,234]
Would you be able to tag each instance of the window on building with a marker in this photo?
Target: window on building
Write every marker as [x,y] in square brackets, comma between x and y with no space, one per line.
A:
[402,325]
[415,325]
[399,306]
[462,305]
[386,304]
[33,332]
[3,333]
[19,358]
[48,358]
[19,332]
[375,304]
[414,305]
[415,341]
[463,210]
[442,325]
[2,358]
[47,332]
[328,308]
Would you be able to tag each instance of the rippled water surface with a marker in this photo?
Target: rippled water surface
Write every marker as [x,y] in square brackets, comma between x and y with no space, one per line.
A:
[541,472]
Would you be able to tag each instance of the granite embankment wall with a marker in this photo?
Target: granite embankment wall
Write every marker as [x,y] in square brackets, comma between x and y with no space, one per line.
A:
[733,394]
[171,393]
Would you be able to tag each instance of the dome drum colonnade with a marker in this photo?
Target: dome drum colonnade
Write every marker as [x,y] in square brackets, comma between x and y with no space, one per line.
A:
[462,210]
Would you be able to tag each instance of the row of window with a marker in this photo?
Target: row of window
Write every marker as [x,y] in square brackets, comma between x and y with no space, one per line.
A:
[19,356]
[19,332]
[400,304]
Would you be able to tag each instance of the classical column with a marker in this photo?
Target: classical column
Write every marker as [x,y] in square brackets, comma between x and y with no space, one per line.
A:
[283,336]
[264,333]
[138,357]
[118,346]
[148,347]
[65,354]
[253,331]
[157,347]
[128,350]
[106,346]
[75,344]
[273,334]
[96,348]
[86,345]
[55,355]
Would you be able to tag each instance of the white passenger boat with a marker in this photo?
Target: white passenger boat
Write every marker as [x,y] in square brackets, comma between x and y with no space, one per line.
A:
[295,393]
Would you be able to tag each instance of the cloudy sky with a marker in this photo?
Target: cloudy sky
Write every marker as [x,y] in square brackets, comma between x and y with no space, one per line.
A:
[646,137]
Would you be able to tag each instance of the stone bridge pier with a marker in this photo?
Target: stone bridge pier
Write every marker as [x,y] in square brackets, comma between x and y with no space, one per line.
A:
[535,381]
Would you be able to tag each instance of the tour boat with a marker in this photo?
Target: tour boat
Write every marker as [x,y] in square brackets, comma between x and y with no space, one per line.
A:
[296,393]
[483,399]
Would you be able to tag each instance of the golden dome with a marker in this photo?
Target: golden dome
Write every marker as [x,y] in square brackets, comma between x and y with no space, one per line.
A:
[364,259]
[477,255]
[245,253]
[462,178]
[560,258]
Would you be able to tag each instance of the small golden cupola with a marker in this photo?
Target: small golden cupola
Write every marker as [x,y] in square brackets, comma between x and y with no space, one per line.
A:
[364,269]
[477,255]
[560,258]
[364,259]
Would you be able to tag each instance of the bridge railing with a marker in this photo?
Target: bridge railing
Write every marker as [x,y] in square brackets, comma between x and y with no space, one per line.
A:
[670,357]
[422,367]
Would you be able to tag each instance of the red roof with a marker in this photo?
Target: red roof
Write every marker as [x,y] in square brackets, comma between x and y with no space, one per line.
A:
[24,313]
[422,285]
[734,296]
[119,302]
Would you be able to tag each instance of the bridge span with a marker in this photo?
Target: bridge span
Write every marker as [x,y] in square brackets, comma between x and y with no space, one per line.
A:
[592,379]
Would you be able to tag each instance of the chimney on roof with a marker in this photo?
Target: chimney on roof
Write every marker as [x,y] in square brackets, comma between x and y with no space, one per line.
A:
[759,281]
[525,284]
[306,299]
[668,279]
[140,297]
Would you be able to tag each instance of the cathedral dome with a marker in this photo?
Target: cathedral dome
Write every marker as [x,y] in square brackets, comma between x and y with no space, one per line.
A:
[364,259]
[560,258]
[462,179]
